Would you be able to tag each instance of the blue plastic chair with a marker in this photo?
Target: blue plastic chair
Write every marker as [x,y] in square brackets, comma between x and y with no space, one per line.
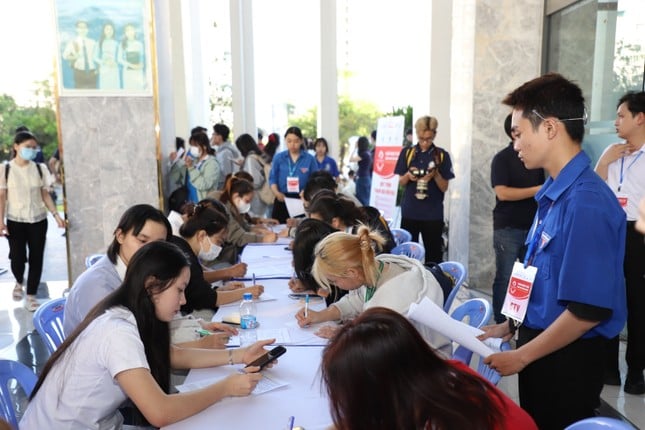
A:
[478,311]
[401,235]
[11,371]
[91,259]
[48,321]
[488,372]
[600,423]
[459,273]
[410,249]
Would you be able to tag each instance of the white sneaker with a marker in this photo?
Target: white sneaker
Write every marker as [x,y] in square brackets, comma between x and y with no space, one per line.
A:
[31,303]
[18,291]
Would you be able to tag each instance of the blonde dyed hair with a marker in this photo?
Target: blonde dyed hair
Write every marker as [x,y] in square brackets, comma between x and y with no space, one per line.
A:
[426,123]
[340,251]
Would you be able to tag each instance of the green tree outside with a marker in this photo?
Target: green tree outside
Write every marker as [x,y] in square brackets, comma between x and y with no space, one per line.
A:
[40,119]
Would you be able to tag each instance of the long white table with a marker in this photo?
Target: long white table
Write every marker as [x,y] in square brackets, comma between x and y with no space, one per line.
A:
[303,397]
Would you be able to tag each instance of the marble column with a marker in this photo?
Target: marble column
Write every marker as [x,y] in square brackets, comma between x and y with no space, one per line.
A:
[506,50]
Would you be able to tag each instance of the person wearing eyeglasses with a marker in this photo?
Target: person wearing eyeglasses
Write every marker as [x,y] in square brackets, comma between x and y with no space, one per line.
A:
[576,300]
[622,166]
[424,171]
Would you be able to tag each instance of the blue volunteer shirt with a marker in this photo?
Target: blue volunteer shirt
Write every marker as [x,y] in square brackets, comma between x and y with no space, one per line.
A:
[579,253]
[328,164]
[283,167]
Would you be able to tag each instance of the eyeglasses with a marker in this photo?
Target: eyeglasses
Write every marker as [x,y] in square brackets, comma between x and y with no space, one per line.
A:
[584,118]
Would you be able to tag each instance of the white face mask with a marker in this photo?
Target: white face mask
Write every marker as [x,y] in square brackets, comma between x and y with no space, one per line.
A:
[242,206]
[195,151]
[212,253]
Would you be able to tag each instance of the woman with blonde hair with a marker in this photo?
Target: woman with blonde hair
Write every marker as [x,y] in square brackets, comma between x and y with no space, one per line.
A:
[392,281]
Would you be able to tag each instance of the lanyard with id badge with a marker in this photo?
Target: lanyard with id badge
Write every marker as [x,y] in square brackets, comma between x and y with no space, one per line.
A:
[622,197]
[293,182]
[522,278]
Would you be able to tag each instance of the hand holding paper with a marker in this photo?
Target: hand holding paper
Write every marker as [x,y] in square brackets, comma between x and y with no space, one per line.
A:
[431,315]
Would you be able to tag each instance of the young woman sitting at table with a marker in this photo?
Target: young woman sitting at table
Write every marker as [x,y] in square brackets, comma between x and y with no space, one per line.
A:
[381,375]
[138,225]
[202,235]
[392,281]
[308,234]
[122,351]
[237,197]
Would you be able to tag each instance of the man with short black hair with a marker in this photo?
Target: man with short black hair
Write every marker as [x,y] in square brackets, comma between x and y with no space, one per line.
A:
[575,247]
[622,166]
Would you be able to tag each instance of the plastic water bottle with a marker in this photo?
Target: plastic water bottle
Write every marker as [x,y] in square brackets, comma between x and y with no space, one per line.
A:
[248,322]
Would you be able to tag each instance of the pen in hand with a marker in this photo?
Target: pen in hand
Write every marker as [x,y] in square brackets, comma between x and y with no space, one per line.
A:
[290,422]
[307,306]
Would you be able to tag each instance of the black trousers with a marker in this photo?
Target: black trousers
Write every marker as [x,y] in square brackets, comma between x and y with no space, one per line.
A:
[635,285]
[564,386]
[23,235]
[431,232]
[634,269]
[280,211]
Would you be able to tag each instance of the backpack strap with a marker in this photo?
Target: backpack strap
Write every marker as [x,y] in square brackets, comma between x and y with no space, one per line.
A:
[409,155]
[6,171]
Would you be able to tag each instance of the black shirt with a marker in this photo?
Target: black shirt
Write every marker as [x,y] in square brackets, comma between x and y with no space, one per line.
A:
[199,292]
[507,169]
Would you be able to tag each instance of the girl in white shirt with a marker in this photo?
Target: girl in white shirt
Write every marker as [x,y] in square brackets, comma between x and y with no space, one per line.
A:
[122,350]
[25,200]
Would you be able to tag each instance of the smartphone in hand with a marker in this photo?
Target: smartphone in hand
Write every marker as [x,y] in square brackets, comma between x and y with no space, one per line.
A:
[268,357]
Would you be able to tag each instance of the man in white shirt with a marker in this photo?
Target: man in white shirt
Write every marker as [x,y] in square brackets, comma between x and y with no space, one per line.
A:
[622,166]
[80,53]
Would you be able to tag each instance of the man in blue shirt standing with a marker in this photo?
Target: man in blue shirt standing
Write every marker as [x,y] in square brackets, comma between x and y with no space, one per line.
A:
[576,244]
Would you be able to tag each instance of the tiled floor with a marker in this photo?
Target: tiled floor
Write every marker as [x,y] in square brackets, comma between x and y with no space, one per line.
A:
[18,341]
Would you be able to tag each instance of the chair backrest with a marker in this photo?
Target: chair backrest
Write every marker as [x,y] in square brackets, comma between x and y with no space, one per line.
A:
[401,235]
[91,259]
[48,321]
[410,249]
[475,312]
[459,272]
[11,371]
[488,372]
[600,423]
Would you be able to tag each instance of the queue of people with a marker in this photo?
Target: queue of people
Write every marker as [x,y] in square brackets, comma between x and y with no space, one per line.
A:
[155,283]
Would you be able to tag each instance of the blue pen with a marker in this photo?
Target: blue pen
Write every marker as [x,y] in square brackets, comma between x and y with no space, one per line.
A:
[290,422]
[306,305]
[253,279]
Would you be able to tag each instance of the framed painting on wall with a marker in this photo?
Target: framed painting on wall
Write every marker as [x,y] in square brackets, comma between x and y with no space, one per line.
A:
[104,47]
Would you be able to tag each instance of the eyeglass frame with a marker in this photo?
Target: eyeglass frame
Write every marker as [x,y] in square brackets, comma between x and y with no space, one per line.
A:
[584,118]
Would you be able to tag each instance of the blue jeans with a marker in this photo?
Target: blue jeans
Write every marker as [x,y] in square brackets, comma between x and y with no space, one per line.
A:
[509,246]
[363,189]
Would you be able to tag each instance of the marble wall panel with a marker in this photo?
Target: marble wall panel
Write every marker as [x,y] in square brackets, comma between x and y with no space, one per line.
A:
[109,153]
[508,44]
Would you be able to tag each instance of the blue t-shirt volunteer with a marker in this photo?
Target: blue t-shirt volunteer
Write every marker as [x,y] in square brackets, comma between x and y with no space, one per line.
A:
[283,167]
[568,240]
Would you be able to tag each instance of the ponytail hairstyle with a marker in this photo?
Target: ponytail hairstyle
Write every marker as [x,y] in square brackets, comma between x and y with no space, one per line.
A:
[340,251]
[203,217]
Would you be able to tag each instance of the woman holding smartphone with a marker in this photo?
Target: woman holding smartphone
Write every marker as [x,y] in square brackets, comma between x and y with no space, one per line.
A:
[122,351]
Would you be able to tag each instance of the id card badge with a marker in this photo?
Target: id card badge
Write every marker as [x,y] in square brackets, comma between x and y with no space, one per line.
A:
[293,184]
[622,200]
[519,291]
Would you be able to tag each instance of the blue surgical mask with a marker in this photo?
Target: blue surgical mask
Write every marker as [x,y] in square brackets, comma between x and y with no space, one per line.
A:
[28,153]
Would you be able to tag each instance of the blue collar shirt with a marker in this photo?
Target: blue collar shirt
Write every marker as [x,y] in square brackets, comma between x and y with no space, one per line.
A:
[580,252]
